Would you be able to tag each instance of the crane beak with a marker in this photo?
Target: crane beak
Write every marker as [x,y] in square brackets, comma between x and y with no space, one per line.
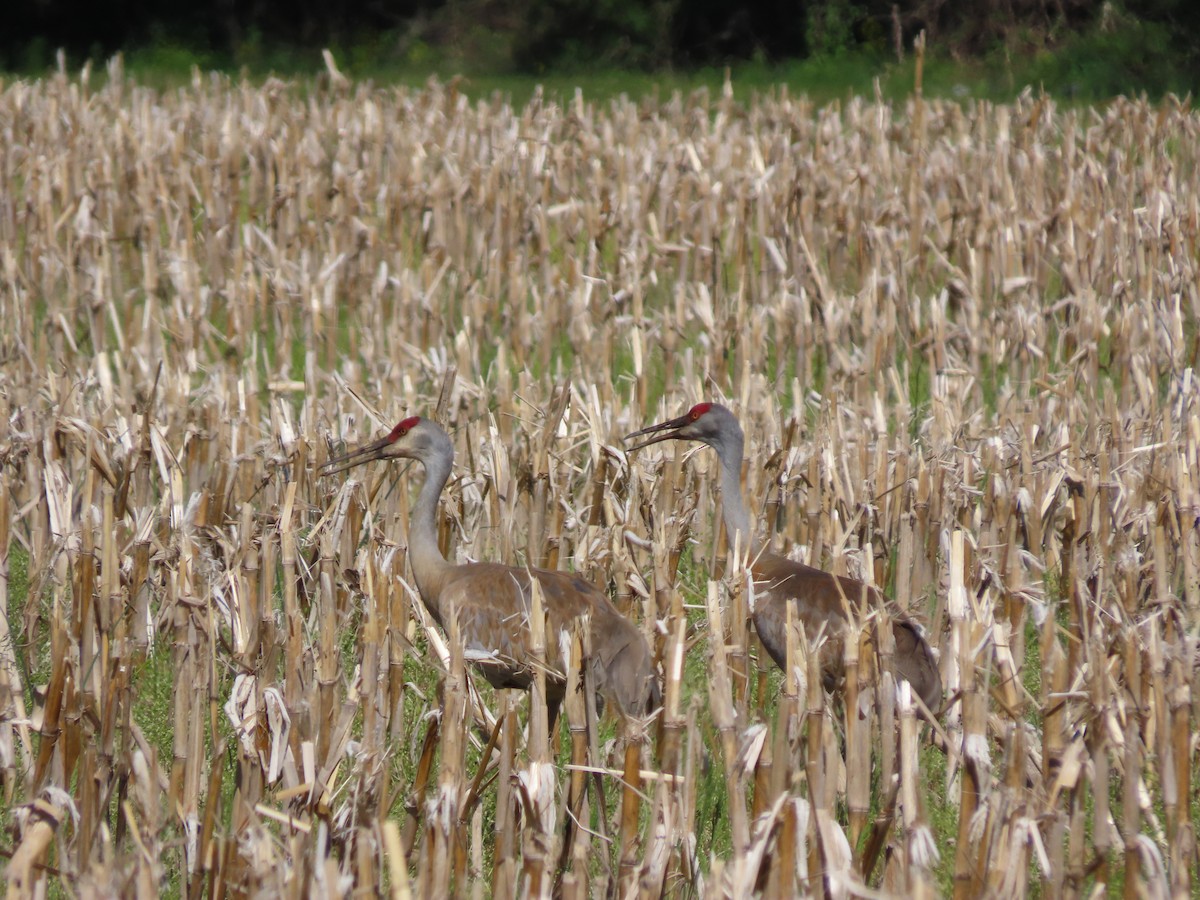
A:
[364,454]
[663,431]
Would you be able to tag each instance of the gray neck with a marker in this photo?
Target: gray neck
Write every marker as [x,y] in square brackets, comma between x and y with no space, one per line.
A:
[428,565]
[737,517]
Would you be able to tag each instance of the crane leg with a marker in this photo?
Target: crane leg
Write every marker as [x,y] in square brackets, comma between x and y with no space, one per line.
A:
[416,799]
[484,767]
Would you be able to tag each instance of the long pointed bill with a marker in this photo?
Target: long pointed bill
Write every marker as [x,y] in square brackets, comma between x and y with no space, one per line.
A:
[364,454]
[663,431]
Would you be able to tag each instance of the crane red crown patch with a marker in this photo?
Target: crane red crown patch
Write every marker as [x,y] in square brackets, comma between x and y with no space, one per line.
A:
[402,429]
[698,410]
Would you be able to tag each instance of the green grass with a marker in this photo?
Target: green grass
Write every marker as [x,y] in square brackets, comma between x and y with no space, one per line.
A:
[941,811]
[18,593]
[1085,68]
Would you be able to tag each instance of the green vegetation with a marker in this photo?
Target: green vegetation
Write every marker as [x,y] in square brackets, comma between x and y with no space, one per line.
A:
[830,50]
[1085,73]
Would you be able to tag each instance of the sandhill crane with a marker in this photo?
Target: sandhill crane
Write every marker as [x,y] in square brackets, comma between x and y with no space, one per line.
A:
[819,597]
[492,601]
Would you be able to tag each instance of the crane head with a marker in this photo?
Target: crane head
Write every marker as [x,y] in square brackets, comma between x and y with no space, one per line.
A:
[707,422]
[406,441]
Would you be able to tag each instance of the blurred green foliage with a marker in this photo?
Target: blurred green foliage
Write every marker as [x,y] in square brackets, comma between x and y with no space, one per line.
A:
[1083,49]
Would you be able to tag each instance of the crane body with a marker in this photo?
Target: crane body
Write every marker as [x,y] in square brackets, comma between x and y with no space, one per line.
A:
[492,602]
[821,600]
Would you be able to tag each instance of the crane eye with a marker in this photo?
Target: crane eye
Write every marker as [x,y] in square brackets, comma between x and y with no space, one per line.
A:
[695,415]
[403,428]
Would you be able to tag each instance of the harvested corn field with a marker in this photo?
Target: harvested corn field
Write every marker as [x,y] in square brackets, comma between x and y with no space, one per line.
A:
[961,341]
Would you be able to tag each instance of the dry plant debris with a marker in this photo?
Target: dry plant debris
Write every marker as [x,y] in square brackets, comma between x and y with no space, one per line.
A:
[961,339]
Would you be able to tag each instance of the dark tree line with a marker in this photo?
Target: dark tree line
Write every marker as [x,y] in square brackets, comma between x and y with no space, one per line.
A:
[542,34]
